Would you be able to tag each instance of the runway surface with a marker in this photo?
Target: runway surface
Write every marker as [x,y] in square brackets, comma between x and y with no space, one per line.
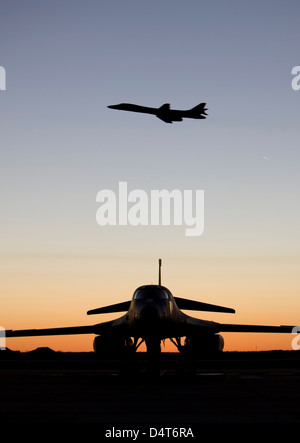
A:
[82,390]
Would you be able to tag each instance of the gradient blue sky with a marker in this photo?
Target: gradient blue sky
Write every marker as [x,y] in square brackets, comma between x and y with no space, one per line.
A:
[65,61]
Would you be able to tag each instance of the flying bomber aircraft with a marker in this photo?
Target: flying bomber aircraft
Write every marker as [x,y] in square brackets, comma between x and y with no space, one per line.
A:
[164,112]
[153,315]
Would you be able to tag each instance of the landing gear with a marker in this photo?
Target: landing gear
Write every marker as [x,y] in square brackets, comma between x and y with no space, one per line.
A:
[153,356]
[153,347]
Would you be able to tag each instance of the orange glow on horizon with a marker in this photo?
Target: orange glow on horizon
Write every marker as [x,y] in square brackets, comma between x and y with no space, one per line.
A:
[84,343]
[54,292]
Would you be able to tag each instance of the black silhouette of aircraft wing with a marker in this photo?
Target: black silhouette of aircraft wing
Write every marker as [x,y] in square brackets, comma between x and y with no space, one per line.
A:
[50,331]
[254,328]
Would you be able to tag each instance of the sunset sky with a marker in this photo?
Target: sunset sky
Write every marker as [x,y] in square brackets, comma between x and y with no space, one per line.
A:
[65,62]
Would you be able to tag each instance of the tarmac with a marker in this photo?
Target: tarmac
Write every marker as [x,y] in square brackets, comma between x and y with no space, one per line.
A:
[78,388]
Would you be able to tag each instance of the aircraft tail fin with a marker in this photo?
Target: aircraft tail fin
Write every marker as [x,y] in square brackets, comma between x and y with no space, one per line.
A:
[199,109]
[159,271]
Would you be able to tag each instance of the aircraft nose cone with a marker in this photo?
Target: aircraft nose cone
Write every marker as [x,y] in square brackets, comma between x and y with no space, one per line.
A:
[115,106]
[149,315]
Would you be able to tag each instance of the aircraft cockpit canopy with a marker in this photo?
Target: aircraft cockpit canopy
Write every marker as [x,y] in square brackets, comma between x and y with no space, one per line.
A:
[151,292]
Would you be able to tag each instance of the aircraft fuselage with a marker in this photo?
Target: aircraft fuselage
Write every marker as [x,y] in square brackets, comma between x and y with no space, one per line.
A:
[164,112]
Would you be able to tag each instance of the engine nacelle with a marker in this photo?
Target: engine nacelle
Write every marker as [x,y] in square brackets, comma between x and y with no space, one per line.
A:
[204,345]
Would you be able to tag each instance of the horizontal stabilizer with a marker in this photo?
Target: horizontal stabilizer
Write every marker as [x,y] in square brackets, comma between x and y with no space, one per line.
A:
[193,305]
[118,307]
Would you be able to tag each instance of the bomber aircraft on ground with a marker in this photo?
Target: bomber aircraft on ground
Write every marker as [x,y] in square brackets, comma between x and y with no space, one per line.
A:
[153,315]
[164,112]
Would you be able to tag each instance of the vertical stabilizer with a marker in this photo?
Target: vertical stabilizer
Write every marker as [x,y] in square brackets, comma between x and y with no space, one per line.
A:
[159,272]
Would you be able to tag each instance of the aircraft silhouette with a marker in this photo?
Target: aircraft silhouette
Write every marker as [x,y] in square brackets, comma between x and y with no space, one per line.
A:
[164,112]
[153,315]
